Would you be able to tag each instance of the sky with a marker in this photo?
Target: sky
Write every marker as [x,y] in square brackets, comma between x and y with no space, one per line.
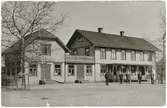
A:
[137,19]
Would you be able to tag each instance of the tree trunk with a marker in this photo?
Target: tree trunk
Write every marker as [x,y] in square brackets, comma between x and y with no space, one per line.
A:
[23,61]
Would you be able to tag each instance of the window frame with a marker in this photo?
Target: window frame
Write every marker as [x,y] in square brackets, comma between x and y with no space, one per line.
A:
[47,48]
[150,56]
[102,53]
[123,55]
[87,53]
[113,51]
[31,70]
[141,56]
[89,70]
[71,71]
[133,58]
[57,69]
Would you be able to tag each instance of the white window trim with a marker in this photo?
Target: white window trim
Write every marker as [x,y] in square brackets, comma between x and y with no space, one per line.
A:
[36,73]
[55,70]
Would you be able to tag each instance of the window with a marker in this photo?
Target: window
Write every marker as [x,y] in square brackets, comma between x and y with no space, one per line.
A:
[113,54]
[33,69]
[149,56]
[74,52]
[46,49]
[87,51]
[123,55]
[103,53]
[57,71]
[102,70]
[71,70]
[133,55]
[88,70]
[142,56]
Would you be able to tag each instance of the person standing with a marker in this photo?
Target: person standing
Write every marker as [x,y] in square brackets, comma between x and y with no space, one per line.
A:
[152,78]
[139,77]
[120,76]
[107,78]
[128,76]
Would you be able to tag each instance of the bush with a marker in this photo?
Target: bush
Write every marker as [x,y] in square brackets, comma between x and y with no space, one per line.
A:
[41,82]
[77,81]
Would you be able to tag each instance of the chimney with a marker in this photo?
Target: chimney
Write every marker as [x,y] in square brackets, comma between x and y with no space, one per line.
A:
[100,30]
[122,33]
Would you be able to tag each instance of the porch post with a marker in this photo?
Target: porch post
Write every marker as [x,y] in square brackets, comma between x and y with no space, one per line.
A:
[137,69]
[116,73]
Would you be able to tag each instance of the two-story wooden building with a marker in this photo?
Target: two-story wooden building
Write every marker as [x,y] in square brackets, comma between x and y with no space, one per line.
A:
[44,58]
[94,53]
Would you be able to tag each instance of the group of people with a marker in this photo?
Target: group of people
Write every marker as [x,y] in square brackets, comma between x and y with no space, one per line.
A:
[127,77]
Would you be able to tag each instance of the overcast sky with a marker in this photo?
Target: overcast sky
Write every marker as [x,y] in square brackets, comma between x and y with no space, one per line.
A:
[139,19]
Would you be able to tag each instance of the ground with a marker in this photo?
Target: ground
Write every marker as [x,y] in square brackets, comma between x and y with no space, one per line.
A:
[88,94]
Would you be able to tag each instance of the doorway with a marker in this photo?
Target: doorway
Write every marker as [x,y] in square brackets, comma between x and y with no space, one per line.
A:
[45,72]
[80,72]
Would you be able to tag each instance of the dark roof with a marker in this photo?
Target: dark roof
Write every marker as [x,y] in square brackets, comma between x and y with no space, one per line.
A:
[41,34]
[114,41]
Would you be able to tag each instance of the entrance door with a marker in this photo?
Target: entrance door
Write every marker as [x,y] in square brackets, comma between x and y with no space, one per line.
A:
[45,72]
[80,72]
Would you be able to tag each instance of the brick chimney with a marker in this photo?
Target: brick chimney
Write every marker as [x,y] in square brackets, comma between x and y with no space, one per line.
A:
[100,30]
[122,33]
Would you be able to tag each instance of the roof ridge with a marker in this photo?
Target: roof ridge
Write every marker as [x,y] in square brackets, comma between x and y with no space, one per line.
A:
[108,40]
[109,34]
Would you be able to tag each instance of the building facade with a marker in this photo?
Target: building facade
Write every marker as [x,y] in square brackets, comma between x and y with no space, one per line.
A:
[44,58]
[87,57]
[111,53]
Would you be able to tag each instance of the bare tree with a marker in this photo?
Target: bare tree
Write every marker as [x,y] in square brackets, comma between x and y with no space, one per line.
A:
[20,19]
[163,25]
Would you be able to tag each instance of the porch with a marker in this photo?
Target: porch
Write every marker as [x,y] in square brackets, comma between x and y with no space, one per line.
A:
[133,70]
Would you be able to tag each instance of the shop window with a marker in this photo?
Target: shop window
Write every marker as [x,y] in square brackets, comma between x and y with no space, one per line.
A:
[57,71]
[88,70]
[33,69]
[71,70]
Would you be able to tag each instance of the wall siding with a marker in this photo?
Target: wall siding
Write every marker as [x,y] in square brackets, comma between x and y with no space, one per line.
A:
[80,44]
